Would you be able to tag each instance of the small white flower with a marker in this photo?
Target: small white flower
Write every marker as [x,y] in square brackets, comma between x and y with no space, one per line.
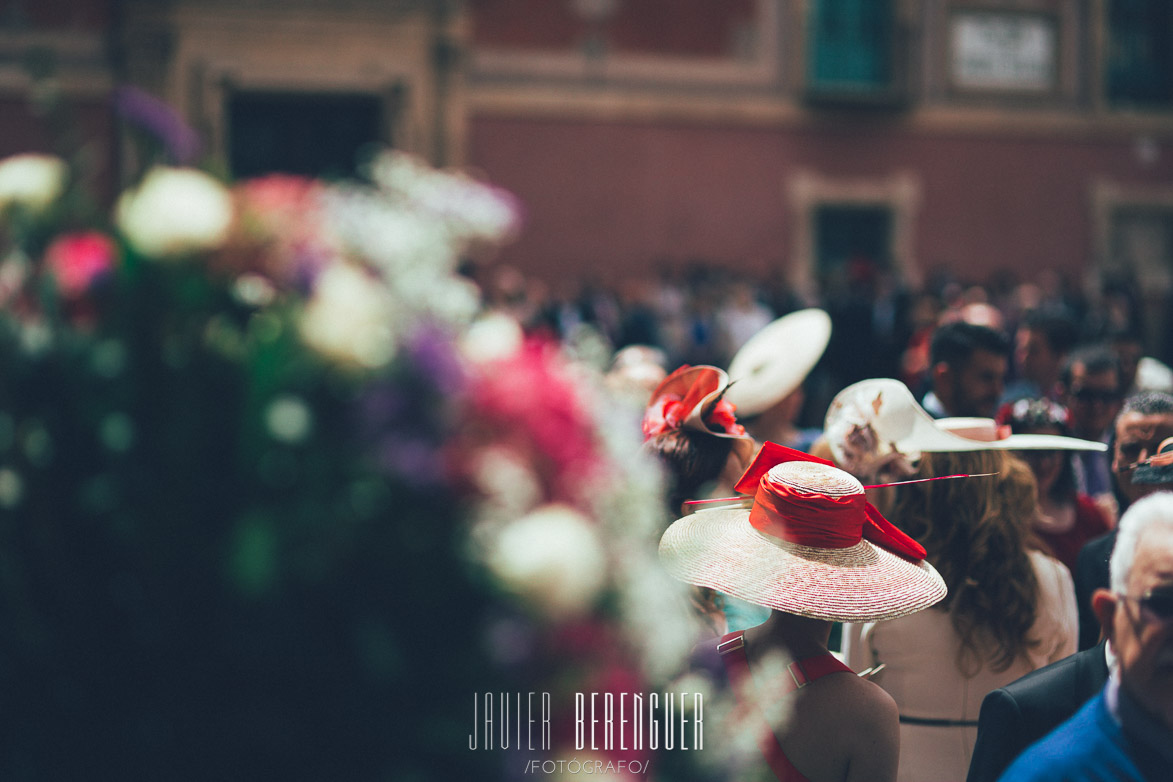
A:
[175,212]
[491,337]
[506,481]
[348,319]
[289,419]
[552,559]
[32,181]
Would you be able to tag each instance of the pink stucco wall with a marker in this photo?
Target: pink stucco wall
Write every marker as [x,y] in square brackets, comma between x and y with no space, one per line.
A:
[614,198]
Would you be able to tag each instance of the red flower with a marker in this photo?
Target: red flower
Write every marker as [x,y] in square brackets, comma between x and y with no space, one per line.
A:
[724,417]
[663,415]
[76,260]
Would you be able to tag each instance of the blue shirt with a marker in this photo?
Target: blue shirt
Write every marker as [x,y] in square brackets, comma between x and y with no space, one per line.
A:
[1092,746]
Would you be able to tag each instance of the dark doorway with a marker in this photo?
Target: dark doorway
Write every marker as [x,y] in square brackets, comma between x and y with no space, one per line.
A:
[312,134]
[851,243]
[852,250]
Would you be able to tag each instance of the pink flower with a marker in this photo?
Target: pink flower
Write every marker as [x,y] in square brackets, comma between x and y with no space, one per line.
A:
[77,260]
[279,231]
[531,404]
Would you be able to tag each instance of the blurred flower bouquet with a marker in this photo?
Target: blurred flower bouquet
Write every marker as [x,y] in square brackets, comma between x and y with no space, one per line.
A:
[272,505]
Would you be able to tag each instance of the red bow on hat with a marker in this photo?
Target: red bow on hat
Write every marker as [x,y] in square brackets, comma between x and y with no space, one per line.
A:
[820,521]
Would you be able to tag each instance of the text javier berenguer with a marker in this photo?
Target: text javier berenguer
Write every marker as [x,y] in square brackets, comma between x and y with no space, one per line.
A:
[606,721]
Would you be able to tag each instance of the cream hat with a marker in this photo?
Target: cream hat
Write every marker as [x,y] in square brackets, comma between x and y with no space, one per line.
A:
[775,361]
[877,421]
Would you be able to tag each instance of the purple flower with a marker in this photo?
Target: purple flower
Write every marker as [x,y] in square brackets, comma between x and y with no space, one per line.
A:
[432,351]
[153,115]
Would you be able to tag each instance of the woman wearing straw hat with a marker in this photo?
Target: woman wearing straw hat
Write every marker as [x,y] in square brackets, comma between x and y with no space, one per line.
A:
[811,548]
[1010,609]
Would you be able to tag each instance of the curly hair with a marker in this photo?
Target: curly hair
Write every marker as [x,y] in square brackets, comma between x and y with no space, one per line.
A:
[977,533]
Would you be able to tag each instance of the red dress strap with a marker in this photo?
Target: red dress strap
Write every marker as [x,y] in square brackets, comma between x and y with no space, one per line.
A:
[731,648]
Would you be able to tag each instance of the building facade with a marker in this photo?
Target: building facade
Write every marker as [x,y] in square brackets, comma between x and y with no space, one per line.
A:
[788,138]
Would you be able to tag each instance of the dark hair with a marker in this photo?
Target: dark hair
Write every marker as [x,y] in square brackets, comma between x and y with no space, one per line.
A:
[953,343]
[1145,403]
[1095,359]
[693,459]
[1125,334]
[1057,326]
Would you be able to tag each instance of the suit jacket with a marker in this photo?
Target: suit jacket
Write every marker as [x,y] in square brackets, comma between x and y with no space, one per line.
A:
[1091,573]
[1017,715]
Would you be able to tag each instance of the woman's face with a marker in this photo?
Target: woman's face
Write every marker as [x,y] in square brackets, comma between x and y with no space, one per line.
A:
[1046,465]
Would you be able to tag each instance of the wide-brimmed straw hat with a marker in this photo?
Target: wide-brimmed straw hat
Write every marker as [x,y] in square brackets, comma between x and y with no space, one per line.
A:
[774,362]
[693,397]
[810,544]
[872,421]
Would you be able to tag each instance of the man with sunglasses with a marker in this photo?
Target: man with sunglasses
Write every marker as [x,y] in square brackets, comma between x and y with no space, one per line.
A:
[1125,732]
[1091,392]
[1145,420]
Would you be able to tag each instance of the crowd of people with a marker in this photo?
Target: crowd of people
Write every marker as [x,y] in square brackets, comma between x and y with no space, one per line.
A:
[944,494]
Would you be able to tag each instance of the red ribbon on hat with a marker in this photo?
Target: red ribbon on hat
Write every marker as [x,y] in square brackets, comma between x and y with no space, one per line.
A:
[817,520]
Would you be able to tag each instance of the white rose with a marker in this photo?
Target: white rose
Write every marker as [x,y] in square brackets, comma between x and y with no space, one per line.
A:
[175,212]
[492,337]
[32,181]
[348,318]
[552,559]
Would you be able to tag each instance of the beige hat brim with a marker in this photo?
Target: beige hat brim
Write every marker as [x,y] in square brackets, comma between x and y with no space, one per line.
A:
[774,362]
[721,550]
[903,425]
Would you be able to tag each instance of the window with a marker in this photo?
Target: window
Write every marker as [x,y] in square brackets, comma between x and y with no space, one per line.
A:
[1139,57]
[850,46]
[851,241]
[318,135]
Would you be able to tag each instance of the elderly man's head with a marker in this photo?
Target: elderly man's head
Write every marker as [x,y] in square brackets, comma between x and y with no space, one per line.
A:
[1136,614]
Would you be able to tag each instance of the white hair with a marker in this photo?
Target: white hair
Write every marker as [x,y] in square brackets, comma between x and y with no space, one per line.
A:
[1155,509]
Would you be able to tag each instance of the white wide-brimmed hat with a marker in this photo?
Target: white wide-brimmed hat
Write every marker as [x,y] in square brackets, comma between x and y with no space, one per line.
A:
[692,397]
[775,361]
[873,421]
[810,544]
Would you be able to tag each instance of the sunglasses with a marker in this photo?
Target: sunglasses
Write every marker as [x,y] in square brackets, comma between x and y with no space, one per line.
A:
[1091,395]
[1156,603]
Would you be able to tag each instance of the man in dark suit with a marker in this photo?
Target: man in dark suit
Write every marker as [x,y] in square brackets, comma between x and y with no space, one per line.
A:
[1017,715]
[1145,420]
[1091,573]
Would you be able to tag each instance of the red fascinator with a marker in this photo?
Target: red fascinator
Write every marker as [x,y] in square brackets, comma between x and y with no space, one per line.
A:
[693,398]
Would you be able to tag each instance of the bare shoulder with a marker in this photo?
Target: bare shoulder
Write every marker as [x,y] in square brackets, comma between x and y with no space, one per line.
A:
[869,703]
[870,727]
